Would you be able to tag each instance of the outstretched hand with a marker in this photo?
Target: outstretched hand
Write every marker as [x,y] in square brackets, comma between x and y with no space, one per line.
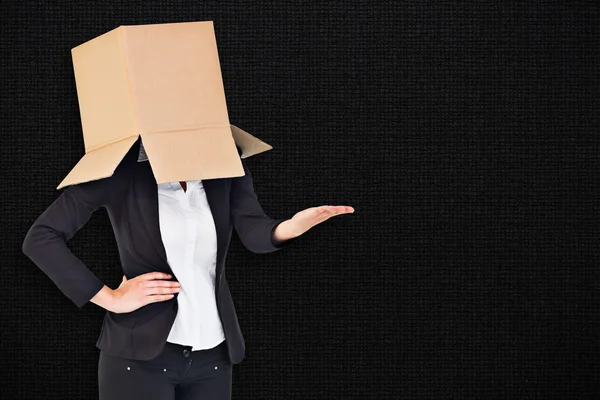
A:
[304,220]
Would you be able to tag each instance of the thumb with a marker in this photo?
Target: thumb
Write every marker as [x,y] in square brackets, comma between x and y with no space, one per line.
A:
[124,279]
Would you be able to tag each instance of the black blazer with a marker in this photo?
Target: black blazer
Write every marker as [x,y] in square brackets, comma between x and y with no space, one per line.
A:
[130,197]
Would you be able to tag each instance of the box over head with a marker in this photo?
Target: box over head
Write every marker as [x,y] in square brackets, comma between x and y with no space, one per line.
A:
[161,82]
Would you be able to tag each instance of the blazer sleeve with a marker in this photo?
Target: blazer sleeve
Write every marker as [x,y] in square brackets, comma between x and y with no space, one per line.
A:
[252,225]
[45,242]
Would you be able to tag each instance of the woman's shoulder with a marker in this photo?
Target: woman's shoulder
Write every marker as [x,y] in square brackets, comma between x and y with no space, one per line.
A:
[105,190]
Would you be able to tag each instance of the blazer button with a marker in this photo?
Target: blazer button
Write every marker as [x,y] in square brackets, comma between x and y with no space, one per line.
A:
[186,353]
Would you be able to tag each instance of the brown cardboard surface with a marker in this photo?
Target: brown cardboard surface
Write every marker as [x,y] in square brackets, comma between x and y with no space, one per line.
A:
[201,154]
[249,144]
[102,85]
[98,164]
[163,82]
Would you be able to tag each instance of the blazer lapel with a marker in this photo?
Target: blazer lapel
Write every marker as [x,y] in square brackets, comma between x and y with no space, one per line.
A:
[146,193]
[218,200]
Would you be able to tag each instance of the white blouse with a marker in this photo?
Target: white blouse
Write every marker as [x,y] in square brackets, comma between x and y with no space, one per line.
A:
[188,232]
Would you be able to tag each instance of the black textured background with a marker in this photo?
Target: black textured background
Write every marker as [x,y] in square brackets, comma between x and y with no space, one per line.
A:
[464,134]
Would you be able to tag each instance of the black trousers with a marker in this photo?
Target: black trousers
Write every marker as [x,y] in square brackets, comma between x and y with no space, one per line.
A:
[176,374]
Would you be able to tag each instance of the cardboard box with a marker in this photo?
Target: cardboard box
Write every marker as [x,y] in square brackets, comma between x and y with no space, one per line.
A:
[161,82]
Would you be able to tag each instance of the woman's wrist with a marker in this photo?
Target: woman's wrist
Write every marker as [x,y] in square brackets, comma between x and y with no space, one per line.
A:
[105,298]
[284,231]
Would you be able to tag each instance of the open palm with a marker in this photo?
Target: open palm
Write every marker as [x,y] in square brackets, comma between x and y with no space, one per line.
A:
[303,220]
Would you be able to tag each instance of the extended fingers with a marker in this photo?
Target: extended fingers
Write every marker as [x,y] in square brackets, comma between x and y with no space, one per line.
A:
[338,209]
[161,287]
[160,290]
[159,283]
[155,275]
[323,213]
[329,211]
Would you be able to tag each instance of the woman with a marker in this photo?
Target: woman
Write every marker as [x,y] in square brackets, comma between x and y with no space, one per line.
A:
[170,329]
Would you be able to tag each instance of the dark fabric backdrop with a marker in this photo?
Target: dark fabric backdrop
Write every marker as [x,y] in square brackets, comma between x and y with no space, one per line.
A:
[465,135]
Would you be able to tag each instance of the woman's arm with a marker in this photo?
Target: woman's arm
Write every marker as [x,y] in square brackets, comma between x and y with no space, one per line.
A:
[253,226]
[45,242]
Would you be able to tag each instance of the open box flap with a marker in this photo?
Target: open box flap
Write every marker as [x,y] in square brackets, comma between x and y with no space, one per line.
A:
[249,144]
[99,163]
